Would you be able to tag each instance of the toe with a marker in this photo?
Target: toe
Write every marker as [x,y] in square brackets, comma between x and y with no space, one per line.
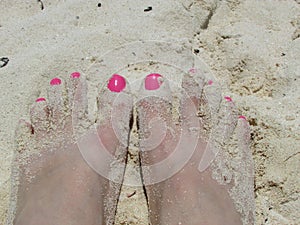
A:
[23,133]
[193,84]
[228,119]
[114,113]
[77,99]
[156,135]
[24,128]
[39,116]
[154,108]
[161,139]
[246,168]
[195,111]
[243,167]
[113,126]
[191,99]
[165,145]
[223,122]
[244,132]
[108,139]
[213,96]
[243,137]
[56,101]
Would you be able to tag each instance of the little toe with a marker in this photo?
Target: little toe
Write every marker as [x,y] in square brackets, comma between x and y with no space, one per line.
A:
[244,192]
[39,116]
[23,138]
[23,133]
[244,132]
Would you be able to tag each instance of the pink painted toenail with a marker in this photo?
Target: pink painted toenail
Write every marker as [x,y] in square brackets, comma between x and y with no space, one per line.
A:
[210,82]
[75,75]
[153,81]
[243,117]
[228,99]
[116,83]
[40,100]
[192,70]
[55,81]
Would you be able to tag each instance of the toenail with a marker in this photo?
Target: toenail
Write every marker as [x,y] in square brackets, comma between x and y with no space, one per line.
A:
[40,100]
[153,81]
[116,83]
[243,117]
[210,82]
[75,75]
[228,99]
[192,70]
[55,81]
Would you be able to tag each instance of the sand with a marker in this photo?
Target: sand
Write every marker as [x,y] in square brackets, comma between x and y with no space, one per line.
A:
[251,46]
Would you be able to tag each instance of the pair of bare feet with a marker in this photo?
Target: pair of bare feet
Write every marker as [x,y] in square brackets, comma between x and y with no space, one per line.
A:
[206,176]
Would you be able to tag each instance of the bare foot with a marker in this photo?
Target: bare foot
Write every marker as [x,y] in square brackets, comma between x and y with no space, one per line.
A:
[52,183]
[208,174]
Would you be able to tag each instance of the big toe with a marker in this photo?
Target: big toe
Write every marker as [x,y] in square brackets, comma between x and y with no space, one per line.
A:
[154,108]
[114,113]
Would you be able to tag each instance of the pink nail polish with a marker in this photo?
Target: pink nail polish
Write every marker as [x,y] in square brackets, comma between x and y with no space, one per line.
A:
[75,75]
[40,100]
[243,117]
[55,81]
[210,82]
[116,83]
[153,81]
[228,99]
[192,70]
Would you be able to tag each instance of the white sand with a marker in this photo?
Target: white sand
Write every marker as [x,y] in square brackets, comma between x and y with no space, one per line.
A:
[251,46]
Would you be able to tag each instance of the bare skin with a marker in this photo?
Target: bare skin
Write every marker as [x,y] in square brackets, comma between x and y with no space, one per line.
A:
[189,196]
[56,184]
